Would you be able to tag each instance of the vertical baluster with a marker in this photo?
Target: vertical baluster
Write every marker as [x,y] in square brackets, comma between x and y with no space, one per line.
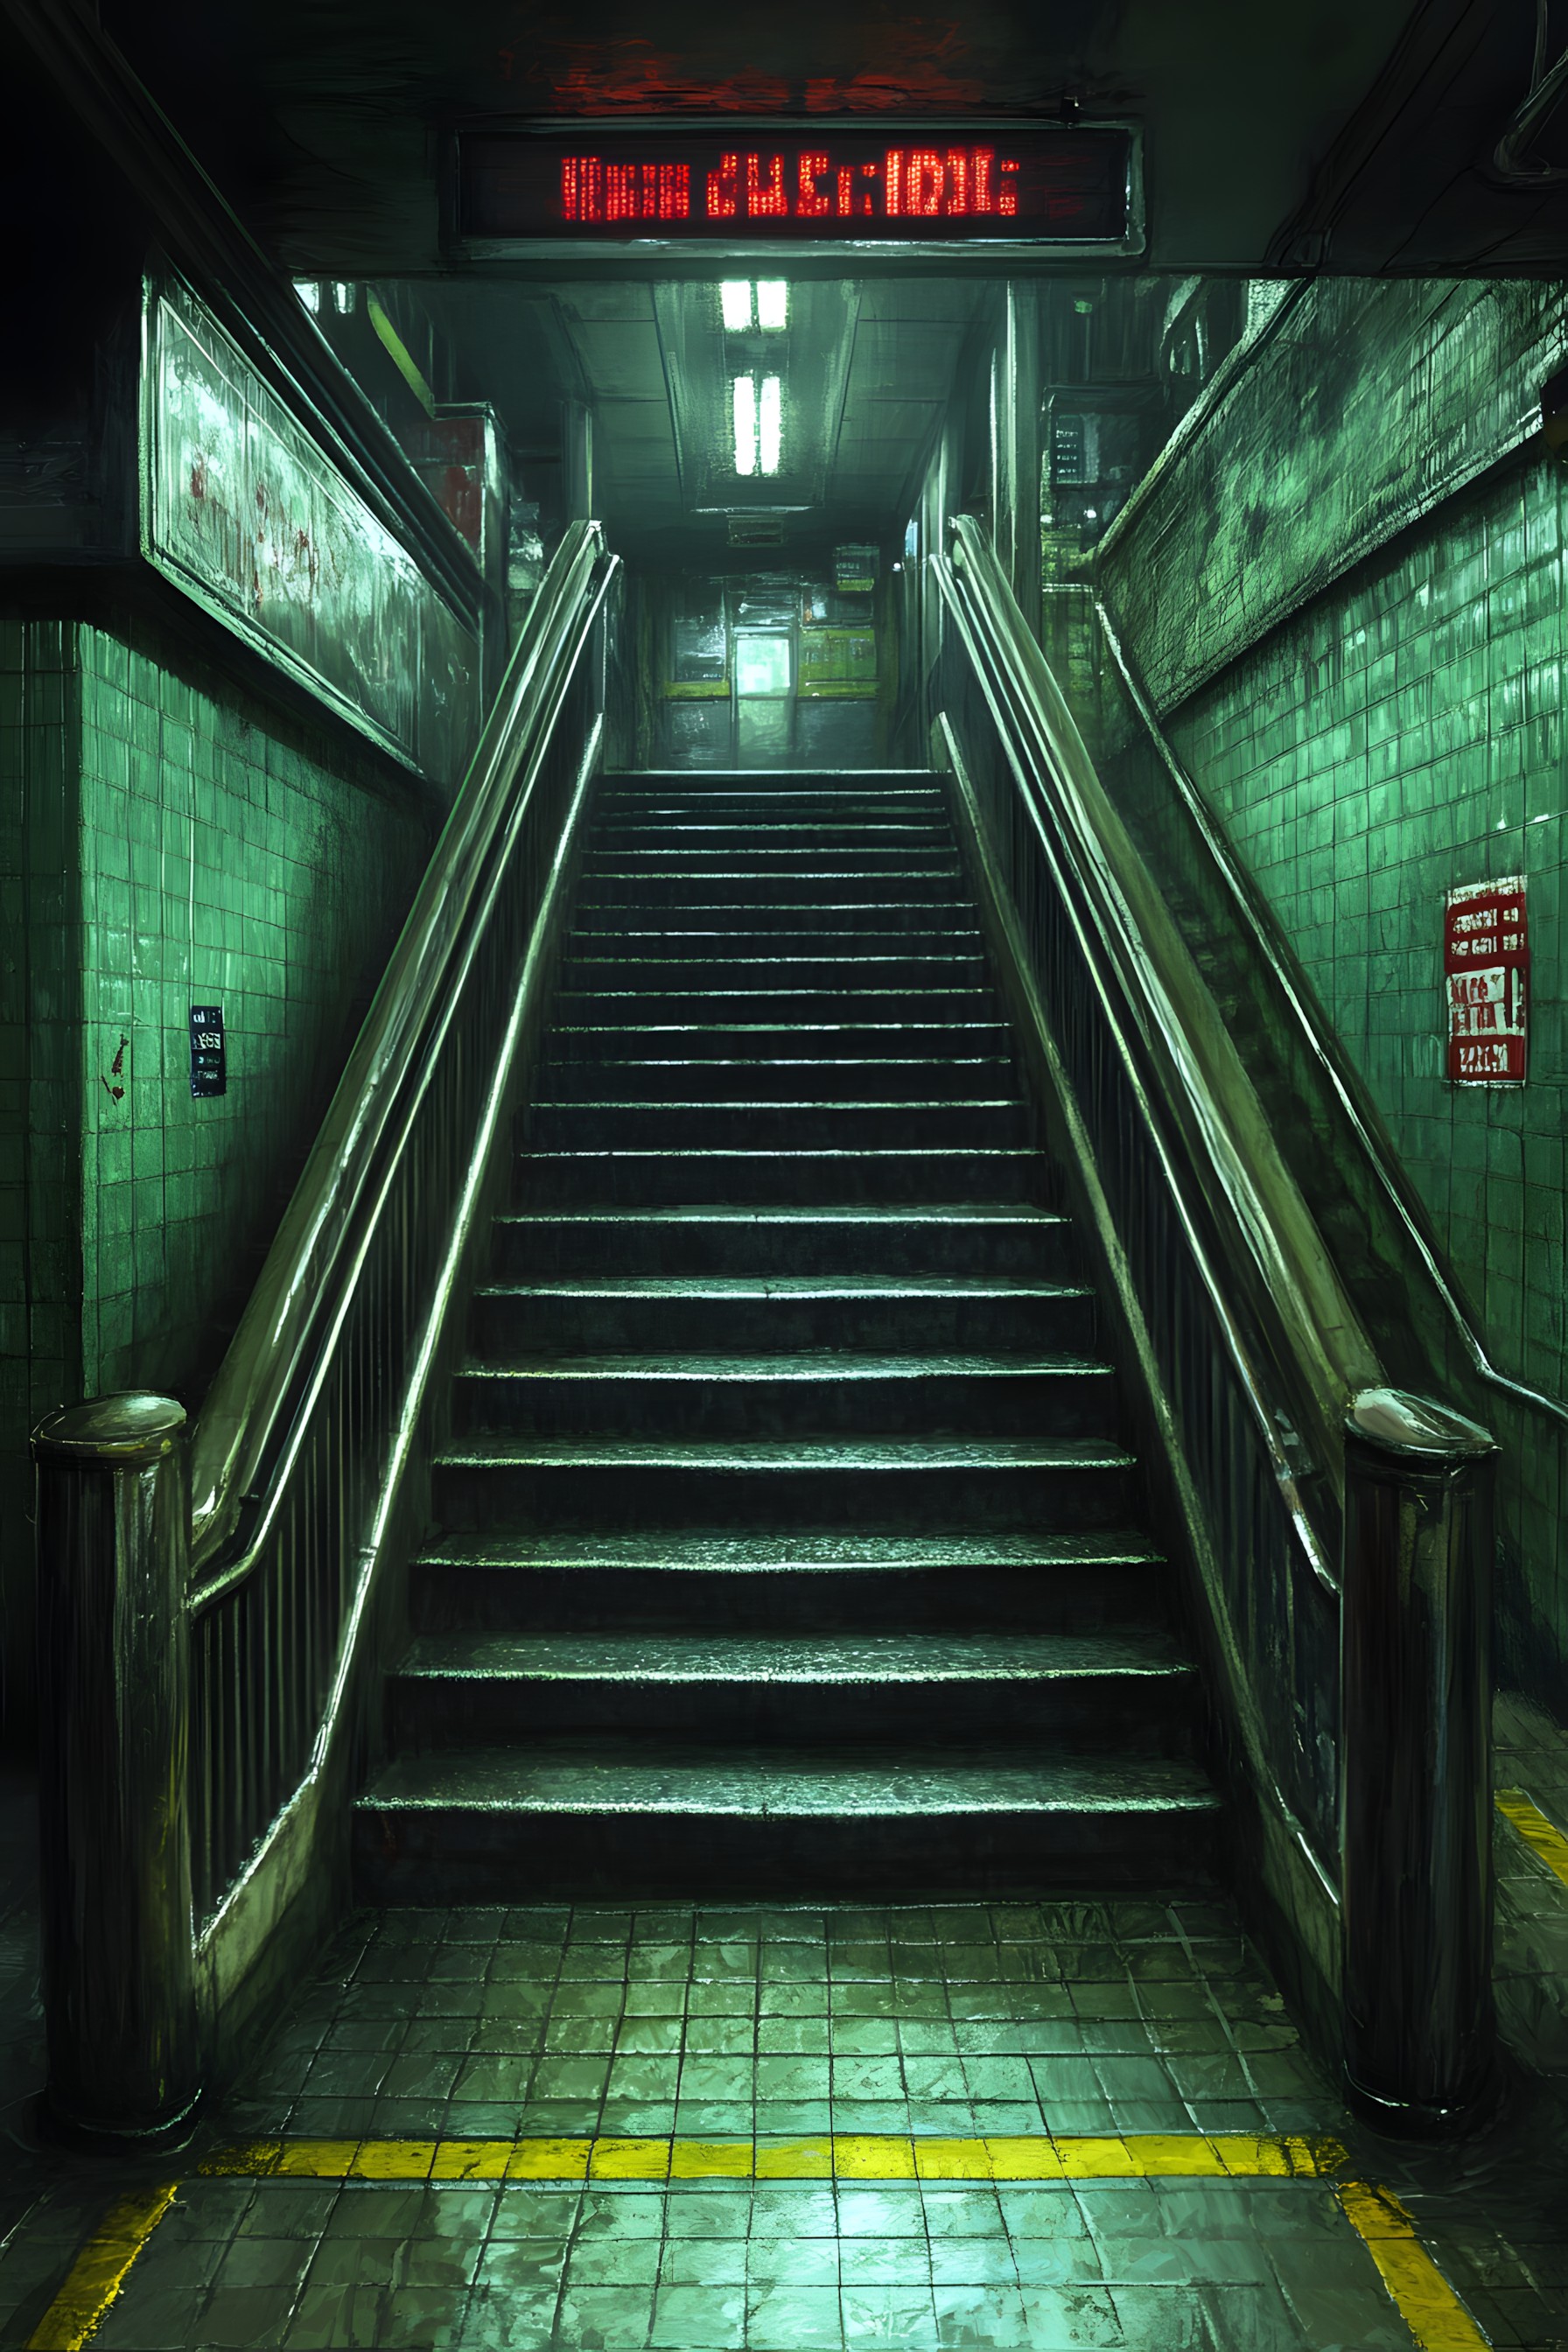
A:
[233,1784]
[275,1666]
[303,1679]
[349,1423]
[245,1650]
[201,1773]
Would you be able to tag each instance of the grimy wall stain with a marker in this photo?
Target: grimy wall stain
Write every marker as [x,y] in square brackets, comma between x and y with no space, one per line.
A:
[1345,590]
[183,839]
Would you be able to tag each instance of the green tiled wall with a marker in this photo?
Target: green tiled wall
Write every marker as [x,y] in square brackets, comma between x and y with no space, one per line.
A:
[1357,406]
[40,1029]
[1403,737]
[222,858]
[1400,733]
[184,839]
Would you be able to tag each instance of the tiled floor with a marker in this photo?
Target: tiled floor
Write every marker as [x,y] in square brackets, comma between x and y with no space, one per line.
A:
[1086,2016]
[826,2045]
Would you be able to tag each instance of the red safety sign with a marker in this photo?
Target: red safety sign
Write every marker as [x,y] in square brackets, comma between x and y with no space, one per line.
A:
[1486,977]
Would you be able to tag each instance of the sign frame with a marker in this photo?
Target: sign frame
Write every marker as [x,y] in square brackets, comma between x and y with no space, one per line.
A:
[1487,1000]
[398,662]
[699,255]
[209,1052]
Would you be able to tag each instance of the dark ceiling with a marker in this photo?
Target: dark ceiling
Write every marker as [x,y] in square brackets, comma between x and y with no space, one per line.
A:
[1357,135]
[1343,136]
[867,369]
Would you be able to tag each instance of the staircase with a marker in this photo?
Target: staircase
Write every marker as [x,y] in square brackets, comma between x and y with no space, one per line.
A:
[787,1541]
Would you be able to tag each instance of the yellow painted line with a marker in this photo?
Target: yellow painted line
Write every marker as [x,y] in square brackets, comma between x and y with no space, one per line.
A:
[1422,2295]
[100,2271]
[1433,2314]
[857,2156]
[1541,1835]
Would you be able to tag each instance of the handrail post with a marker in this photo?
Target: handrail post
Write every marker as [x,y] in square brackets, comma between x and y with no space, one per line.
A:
[1417,1894]
[113,1539]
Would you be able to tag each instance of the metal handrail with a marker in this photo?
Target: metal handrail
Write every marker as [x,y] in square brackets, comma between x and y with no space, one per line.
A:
[1314,1337]
[242,1422]
[231,1729]
[1339,1529]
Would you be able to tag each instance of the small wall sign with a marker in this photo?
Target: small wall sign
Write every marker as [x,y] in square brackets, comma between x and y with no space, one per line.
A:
[209,1054]
[1486,977]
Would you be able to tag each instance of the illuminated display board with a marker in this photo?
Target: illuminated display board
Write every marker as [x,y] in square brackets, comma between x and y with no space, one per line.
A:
[757,181]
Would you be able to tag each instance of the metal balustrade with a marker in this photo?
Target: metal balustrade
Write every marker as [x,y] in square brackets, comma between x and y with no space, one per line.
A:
[1255,1365]
[306,1461]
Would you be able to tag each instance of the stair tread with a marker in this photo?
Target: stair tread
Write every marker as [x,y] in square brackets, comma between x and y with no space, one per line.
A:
[669,1777]
[787,1364]
[868,1454]
[814,1103]
[839,1656]
[784,1286]
[869,1212]
[608,1063]
[755,995]
[676,1030]
[799,1549]
[855,1152]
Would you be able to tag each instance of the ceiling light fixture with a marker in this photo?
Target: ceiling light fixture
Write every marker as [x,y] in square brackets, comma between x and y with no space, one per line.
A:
[743,397]
[772,304]
[770,425]
[735,301]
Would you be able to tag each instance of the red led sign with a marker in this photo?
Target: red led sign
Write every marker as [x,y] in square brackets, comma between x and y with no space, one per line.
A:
[1486,971]
[756,181]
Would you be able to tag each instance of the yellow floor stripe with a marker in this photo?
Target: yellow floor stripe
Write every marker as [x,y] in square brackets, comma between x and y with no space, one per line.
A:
[1539,1835]
[1234,2156]
[99,2272]
[1435,2317]
[1425,2302]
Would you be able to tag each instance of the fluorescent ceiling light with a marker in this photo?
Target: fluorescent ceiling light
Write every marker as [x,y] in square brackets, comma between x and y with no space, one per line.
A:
[770,423]
[773,303]
[743,393]
[735,300]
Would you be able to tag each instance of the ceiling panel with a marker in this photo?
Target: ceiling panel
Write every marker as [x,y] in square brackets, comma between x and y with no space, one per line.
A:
[867,369]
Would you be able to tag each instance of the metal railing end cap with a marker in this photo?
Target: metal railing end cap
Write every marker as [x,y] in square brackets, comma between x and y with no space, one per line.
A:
[1394,1421]
[131,1425]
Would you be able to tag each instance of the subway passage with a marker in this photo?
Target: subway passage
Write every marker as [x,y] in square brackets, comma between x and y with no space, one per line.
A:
[782,1551]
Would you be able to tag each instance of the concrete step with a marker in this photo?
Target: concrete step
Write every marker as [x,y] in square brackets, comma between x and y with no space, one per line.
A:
[1063,1580]
[707,939]
[769,920]
[769,1173]
[815,1392]
[851,1315]
[869,1123]
[772,796]
[1130,1689]
[695,849]
[866,988]
[639,1819]
[655,1076]
[950,1240]
[765,995]
[887,1484]
[687,1042]
[737,886]
[769,794]
[822,812]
